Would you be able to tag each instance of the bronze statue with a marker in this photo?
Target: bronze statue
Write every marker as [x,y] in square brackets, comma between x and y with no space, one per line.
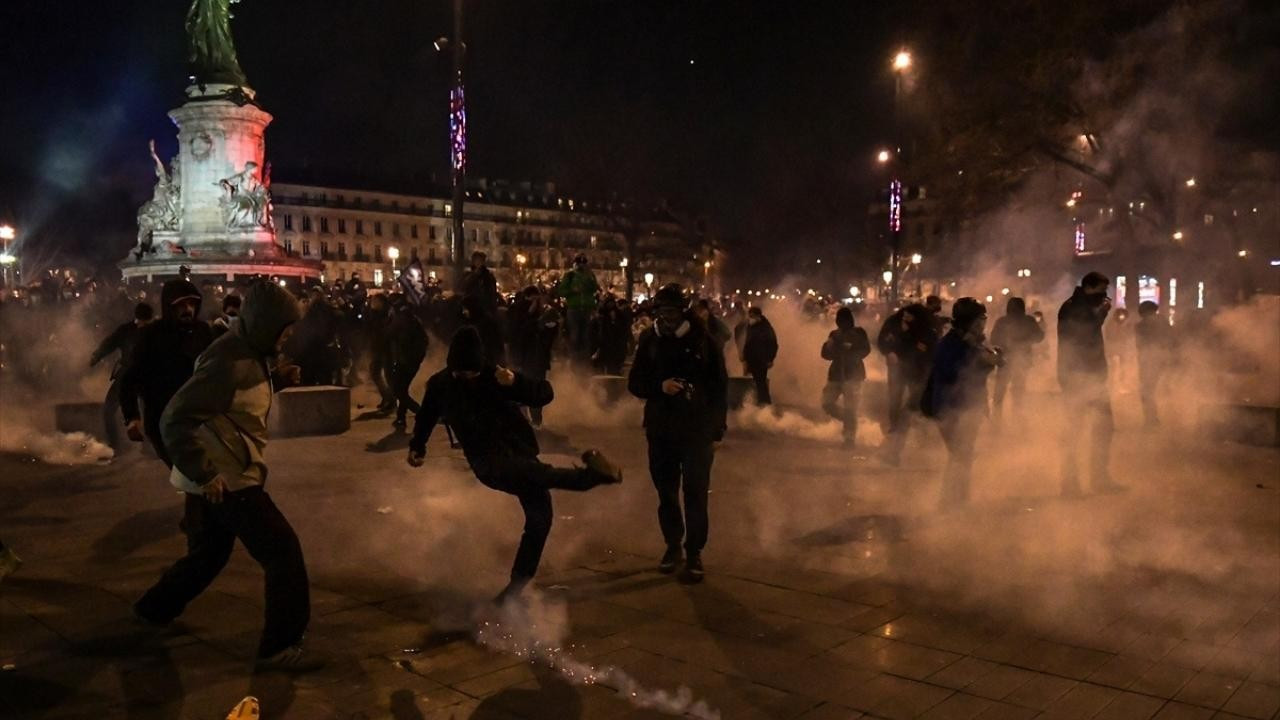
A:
[212,52]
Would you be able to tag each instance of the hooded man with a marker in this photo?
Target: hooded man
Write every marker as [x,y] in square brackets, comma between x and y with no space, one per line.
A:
[480,285]
[216,430]
[1014,335]
[956,394]
[481,403]
[679,372]
[578,287]
[759,350]
[1155,354]
[907,340]
[161,361]
[846,347]
[122,339]
[1082,374]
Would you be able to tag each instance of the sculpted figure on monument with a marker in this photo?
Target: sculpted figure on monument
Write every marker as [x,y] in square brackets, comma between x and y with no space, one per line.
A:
[212,53]
[246,201]
[164,210]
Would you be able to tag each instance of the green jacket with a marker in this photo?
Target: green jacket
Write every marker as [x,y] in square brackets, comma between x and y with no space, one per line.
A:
[216,424]
[578,288]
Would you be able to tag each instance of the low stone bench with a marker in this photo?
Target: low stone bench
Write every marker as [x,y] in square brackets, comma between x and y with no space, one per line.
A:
[311,410]
[1249,423]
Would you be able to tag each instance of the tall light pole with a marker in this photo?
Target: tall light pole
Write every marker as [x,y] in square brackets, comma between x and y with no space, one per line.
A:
[7,234]
[901,63]
[457,141]
[393,252]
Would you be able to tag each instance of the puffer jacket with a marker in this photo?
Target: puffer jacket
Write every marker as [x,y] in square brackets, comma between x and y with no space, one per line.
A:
[216,424]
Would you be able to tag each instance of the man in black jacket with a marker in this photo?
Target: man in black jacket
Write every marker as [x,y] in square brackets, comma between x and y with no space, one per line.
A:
[480,403]
[907,340]
[122,339]
[759,350]
[377,321]
[846,347]
[407,342]
[162,360]
[533,326]
[1014,335]
[1082,374]
[679,372]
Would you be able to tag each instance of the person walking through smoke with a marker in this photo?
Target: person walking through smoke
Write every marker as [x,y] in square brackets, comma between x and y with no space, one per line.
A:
[1014,334]
[407,343]
[578,287]
[121,340]
[161,361]
[481,404]
[907,340]
[759,350]
[956,394]
[679,372]
[534,327]
[1082,374]
[377,320]
[1155,353]
[846,347]
[215,428]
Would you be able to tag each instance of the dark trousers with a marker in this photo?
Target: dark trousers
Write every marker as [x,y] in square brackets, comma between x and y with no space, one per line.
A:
[904,402]
[111,418]
[535,413]
[675,463]
[1011,379]
[401,381]
[380,372]
[211,531]
[959,430]
[1086,399]
[760,373]
[1148,385]
[532,481]
[576,322]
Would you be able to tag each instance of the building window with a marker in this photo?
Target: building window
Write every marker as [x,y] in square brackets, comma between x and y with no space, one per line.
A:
[324,249]
[377,277]
[324,225]
[413,253]
[306,247]
[288,222]
[357,202]
[377,253]
[377,228]
[413,231]
[342,226]
[306,223]
[395,229]
[448,209]
[431,232]
[288,245]
[359,227]
[342,250]
[359,250]
[431,256]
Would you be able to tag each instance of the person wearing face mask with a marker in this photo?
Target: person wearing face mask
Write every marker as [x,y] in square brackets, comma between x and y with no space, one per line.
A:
[679,372]
[1082,374]
[579,288]
[230,311]
[161,361]
[122,339]
[846,347]
[759,350]
[481,402]
[215,428]
[956,394]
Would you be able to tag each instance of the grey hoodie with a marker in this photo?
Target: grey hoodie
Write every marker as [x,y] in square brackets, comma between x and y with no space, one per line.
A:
[216,424]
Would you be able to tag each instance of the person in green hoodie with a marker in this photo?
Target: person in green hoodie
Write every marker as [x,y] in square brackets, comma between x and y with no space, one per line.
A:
[215,429]
[579,288]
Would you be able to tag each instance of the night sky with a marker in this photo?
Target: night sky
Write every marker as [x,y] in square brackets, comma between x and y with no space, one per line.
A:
[761,114]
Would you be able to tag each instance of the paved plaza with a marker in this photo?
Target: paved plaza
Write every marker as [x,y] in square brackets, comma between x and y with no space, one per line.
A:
[835,589]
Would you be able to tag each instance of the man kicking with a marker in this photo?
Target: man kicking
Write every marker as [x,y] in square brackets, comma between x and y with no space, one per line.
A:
[481,403]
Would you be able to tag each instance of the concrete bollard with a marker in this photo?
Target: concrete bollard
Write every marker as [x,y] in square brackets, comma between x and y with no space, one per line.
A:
[311,410]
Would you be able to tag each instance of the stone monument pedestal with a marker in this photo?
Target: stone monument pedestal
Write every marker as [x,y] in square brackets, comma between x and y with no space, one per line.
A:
[310,410]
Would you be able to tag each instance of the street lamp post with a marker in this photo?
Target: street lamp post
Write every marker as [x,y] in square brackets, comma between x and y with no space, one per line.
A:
[901,63]
[648,283]
[7,234]
[393,252]
[457,141]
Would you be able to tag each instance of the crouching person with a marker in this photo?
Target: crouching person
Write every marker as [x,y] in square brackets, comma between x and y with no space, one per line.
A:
[215,429]
[481,403]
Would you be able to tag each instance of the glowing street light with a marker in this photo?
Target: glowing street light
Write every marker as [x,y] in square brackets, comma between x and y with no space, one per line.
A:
[622,264]
[917,258]
[854,291]
[1177,235]
[648,280]
[1243,253]
[883,156]
[7,232]
[888,276]
[393,252]
[1191,182]
[902,60]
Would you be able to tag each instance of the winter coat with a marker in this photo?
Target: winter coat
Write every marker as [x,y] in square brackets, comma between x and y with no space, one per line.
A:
[1014,334]
[163,358]
[609,334]
[697,415]
[958,380]
[484,416]
[760,348]
[1082,352]
[216,425]
[123,338]
[483,286]
[846,348]
[578,288]
[914,347]
[406,340]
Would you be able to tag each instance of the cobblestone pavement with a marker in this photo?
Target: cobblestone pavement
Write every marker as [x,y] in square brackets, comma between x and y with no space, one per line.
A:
[834,588]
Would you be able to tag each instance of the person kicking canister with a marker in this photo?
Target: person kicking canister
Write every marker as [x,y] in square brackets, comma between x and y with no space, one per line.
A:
[481,403]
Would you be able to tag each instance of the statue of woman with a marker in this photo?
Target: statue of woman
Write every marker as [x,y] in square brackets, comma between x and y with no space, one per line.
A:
[212,52]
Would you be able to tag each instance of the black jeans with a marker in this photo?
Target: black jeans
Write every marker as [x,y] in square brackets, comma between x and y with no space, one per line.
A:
[532,481]
[675,463]
[760,373]
[401,381]
[211,531]
[380,372]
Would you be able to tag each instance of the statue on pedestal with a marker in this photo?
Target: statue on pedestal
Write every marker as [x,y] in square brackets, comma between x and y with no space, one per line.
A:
[212,53]
[164,210]
[246,202]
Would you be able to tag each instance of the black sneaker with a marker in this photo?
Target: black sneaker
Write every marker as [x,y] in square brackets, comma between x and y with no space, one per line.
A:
[598,463]
[670,559]
[692,569]
[143,621]
[292,659]
[399,423]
